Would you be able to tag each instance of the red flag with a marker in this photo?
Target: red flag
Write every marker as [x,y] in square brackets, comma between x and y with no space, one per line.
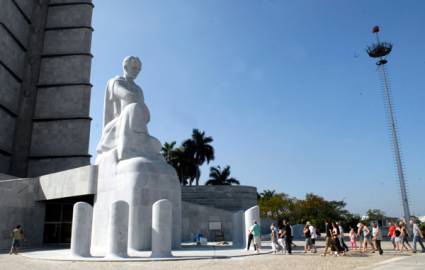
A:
[375,29]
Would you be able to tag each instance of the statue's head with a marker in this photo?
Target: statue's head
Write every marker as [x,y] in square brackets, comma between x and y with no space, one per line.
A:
[132,67]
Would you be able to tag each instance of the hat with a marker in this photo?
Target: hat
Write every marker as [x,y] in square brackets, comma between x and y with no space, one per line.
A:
[308,223]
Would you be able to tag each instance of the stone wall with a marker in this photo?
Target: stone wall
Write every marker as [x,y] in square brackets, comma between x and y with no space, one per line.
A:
[23,200]
[196,219]
[18,206]
[230,198]
[45,63]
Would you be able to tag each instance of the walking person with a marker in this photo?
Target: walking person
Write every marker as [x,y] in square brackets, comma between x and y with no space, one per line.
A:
[314,236]
[367,239]
[417,236]
[307,235]
[377,237]
[17,237]
[360,236]
[256,234]
[398,239]
[391,233]
[405,238]
[281,239]
[337,247]
[353,239]
[273,238]
[341,236]
[250,238]
[288,236]
[328,239]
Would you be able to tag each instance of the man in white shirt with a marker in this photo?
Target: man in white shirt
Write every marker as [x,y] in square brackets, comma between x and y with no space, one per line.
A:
[313,235]
[377,237]
[417,236]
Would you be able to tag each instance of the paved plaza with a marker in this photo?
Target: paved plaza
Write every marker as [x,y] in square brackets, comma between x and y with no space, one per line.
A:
[223,258]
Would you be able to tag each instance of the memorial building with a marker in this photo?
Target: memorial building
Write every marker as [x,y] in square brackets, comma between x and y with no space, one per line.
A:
[45,63]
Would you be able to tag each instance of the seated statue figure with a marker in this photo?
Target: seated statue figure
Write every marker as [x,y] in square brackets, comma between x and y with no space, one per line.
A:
[126,116]
[130,165]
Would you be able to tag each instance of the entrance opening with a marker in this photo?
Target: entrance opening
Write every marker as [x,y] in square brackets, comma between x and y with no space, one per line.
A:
[58,219]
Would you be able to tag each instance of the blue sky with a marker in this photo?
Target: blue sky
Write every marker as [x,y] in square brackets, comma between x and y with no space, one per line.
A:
[285,88]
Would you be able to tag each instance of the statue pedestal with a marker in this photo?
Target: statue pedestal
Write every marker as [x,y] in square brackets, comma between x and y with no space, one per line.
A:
[140,182]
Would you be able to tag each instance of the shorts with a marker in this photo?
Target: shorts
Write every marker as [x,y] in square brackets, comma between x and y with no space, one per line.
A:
[398,239]
[313,241]
[308,241]
[256,240]
[16,243]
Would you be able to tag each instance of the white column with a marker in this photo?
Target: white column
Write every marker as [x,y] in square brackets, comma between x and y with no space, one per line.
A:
[238,229]
[118,230]
[81,229]
[161,228]
[251,215]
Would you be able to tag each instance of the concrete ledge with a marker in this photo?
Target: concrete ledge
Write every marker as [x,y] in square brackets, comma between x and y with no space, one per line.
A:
[70,183]
[44,166]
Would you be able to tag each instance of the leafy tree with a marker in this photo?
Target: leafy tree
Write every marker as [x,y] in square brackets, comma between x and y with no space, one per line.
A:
[274,205]
[267,194]
[375,215]
[220,176]
[312,208]
[200,148]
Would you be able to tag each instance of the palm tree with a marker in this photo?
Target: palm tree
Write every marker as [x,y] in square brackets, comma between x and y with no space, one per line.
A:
[199,146]
[221,177]
[182,161]
[167,151]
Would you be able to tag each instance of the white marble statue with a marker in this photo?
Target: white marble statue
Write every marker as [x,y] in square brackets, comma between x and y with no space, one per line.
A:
[125,114]
[131,167]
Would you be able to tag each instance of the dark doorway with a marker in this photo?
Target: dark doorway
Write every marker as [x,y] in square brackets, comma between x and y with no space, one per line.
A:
[58,219]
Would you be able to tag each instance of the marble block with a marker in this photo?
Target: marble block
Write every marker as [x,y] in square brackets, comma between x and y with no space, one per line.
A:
[81,229]
[238,229]
[118,230]
[142,184]
[161,229]
[251,215]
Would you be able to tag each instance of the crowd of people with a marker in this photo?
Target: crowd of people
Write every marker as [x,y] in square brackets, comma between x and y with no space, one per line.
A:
[362,238]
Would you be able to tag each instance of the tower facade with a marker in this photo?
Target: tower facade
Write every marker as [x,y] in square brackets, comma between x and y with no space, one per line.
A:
[45,64]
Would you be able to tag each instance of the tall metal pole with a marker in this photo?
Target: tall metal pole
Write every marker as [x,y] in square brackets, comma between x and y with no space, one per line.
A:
[395,140]
[380,50]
